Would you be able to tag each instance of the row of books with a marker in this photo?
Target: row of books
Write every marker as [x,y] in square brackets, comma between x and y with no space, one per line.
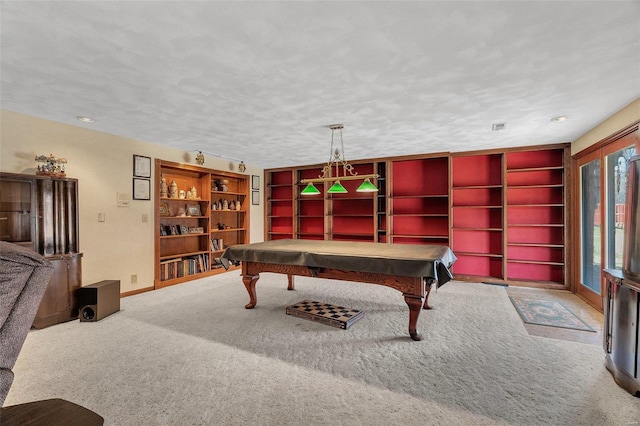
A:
[216,244]
[181,267]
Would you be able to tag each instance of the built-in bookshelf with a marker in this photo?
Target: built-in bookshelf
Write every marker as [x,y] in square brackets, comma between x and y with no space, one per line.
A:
[477,215]
[503,212]
[279,211]
[311,215]
[352,216]
[381,220]
[199,212]
[420,201]
[535,189]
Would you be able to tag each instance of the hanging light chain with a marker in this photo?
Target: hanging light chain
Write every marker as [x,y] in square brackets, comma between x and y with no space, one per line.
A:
[338,159]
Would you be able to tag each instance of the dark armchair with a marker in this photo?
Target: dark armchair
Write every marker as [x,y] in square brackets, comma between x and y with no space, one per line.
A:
[24,276]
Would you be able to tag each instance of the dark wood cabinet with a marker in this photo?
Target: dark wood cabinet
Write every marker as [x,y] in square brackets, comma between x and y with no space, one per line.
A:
[59,303]
[41,213]
[622,334]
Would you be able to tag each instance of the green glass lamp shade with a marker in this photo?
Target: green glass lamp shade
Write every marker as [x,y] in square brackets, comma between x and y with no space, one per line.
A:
[367,186]
[337,188]
[310,190]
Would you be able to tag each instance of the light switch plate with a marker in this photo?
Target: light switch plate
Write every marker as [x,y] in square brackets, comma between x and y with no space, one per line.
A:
[123,199]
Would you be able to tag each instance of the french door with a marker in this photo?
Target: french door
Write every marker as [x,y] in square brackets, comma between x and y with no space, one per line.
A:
[603,184]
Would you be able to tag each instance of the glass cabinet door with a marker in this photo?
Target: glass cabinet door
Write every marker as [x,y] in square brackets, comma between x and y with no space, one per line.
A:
[15,212]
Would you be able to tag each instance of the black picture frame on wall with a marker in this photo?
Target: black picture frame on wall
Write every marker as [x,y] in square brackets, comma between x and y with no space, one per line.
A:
[141,166]
[255,198]
[255,182]
[141,189]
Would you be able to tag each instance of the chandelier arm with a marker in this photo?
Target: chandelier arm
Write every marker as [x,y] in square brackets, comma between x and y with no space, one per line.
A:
[331,179]
[337,158]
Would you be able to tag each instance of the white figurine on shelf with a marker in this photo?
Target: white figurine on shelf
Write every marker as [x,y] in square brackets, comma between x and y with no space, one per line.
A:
[173,190]
[164,191]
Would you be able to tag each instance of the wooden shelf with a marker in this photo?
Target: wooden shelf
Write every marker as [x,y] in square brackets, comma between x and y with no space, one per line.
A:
[477,254]
[534,169]
[191,255]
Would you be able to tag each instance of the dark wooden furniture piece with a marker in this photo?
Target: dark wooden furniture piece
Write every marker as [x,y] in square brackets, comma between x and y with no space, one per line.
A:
[622,333]
[409,269]
[41,213]
[503,212]
[24,276]
[184,256]
[49,412]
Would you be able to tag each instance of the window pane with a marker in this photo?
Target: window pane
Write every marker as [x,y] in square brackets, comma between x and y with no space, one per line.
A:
[590,223]
[617,174]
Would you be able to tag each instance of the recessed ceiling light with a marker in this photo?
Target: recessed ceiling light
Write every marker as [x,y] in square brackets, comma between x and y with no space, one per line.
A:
[498,126]
[560,118]
[86,119]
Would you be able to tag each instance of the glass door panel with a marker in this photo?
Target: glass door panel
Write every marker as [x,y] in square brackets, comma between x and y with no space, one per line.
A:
[590,223]
[617,172]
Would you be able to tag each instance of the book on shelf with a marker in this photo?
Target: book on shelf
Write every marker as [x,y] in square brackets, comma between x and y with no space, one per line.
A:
[181,267]
[217,244]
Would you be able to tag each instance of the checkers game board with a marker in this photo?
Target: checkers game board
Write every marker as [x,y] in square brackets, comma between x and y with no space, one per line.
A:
[325,313]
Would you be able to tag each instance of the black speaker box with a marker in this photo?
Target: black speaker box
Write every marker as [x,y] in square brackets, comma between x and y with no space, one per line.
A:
[99,300]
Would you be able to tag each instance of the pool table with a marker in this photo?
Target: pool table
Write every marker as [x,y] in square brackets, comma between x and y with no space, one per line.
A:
[410,269]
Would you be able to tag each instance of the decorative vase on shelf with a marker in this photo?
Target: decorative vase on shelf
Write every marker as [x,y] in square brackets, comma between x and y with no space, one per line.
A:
[194,192]
[173,190]
[164,192]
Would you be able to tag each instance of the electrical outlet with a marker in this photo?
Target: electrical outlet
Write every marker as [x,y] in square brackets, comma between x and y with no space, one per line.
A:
[145,218]
[134,278]
[100,217]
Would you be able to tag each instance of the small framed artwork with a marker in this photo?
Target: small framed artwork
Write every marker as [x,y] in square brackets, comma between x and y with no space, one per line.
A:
[163,231]
[141,189]
[255,198]
[194,210]
[164,209]
[184,229]
[255,182]
[141,166]
[174,230]
[196,230]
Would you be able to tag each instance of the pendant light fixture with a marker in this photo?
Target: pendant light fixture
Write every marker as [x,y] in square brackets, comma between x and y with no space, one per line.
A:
[331,171]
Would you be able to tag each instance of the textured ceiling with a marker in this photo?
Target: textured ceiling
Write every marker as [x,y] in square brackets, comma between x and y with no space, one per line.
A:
[261,81]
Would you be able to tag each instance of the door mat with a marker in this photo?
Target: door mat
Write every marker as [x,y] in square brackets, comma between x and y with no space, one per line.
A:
[325,313]
[548,312]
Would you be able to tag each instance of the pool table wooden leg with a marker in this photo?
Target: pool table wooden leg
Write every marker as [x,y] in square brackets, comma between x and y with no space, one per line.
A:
[291,285]
[250,284]
[428,285]
[415,306]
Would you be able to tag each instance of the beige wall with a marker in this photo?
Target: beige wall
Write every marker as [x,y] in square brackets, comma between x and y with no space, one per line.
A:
[122,245]
[618,121]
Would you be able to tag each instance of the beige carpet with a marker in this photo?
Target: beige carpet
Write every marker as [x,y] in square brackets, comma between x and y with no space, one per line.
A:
[192,355]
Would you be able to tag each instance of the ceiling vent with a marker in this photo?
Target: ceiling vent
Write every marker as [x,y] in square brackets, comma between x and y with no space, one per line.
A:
[498,126]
